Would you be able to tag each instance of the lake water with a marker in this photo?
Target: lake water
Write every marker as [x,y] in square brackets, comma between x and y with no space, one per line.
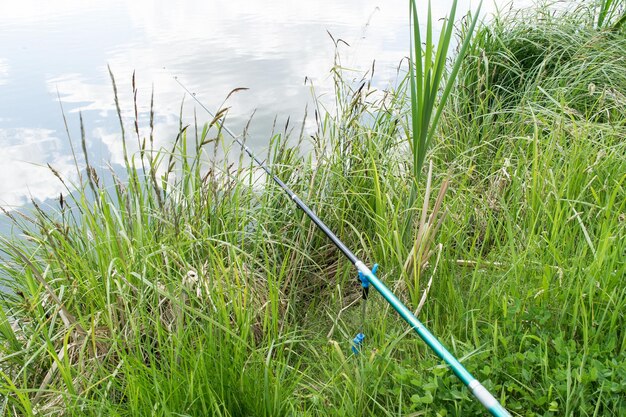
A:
[60,49]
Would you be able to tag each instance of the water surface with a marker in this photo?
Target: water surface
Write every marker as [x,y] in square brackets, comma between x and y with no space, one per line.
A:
[56,53]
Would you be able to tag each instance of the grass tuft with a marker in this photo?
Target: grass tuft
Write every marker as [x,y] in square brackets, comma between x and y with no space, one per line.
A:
[193,287]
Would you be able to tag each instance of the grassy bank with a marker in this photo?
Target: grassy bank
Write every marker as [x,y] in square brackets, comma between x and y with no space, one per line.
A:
[192,288]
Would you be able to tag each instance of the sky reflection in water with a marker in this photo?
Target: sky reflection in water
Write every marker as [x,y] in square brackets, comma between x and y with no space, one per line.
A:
[61,48]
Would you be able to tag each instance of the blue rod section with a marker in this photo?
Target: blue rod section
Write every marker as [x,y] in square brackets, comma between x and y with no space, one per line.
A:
[479,391]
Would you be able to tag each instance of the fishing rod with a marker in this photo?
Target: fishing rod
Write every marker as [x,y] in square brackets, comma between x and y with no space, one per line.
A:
[368,278]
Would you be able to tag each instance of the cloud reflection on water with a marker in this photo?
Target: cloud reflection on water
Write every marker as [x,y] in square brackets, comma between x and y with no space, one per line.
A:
[213,46]
[4,73]
[25,173]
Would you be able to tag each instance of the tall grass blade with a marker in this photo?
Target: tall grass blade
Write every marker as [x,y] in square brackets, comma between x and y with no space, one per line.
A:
[429,89]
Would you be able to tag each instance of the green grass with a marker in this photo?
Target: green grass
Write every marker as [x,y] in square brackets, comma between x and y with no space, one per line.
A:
[208,293]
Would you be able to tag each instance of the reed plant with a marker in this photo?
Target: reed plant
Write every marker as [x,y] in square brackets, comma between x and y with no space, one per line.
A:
[192,287]
[432,77]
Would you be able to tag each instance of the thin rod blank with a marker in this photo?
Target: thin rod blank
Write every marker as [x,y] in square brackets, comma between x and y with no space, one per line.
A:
[318,222]
[477,389]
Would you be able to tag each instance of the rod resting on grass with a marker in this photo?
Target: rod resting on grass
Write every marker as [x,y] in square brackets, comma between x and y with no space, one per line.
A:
[477,389]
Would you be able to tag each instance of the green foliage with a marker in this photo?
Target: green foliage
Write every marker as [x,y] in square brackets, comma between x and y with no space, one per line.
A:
[610,14]
[192,287]
[430,85]
[429,89]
